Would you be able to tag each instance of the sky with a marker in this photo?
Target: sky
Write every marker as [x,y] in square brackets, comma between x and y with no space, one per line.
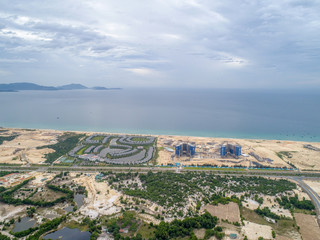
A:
[161,43]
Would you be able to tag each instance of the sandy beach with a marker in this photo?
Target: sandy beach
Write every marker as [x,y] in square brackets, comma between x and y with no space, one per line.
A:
[23,150]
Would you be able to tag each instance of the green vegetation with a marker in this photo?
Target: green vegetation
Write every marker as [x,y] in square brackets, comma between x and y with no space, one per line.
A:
[3,173]
[281,227]
[46,227]
[293,202]
[98,138]
[94,227]
[287,154]
[215,169]
[173,230]
[216,199]
[66,143]
[81,151]
[24,233]
[7,138]
[217,232]
[173,189]
[7,196]
[266,212]
[4,237]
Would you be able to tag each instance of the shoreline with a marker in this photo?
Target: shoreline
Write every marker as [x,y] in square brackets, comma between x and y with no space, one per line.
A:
[255,152]
[163,134]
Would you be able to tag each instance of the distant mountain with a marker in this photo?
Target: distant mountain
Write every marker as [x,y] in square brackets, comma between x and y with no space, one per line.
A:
[8,90]
[24,86]
[99,88]
[72,86]
[14,87]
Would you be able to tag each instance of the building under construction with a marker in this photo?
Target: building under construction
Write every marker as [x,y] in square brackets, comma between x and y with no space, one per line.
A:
[232,149]
[185,149]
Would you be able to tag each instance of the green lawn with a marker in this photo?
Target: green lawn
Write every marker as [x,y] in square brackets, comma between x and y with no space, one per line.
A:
[146,231]
[81,151]
[99,138]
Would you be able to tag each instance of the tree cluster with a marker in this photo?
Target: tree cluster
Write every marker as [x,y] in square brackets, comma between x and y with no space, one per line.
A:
[293,202]
[65,144]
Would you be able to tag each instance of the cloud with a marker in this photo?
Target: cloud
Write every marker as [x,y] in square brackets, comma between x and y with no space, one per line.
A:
[192,42]
[16,60]
[143,71]
[4,72]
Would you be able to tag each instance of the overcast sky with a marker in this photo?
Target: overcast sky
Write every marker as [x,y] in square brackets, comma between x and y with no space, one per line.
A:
[161,43]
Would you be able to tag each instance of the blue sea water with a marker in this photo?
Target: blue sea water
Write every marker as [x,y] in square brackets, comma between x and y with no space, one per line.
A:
[258,114]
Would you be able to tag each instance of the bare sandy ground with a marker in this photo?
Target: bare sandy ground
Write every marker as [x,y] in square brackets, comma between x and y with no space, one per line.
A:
[41,178]
[101,199]
[269,202]
[309,228]
[301,157]
[229,211]
[253,231]
[23,150]
[10,211]
[315,185]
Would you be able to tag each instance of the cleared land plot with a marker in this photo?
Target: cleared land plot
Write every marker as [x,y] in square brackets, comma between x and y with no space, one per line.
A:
[315,185]
[229,211]
[46,195]
[309,228]
[284,228]
[199,233]
[253,231]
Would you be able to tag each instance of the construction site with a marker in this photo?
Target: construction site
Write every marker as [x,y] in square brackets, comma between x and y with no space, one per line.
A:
[244,153]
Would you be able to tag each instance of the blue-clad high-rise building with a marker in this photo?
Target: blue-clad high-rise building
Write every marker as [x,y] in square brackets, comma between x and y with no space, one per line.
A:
[223,150]
[185,149]
[178,150]
[238,150]
[232,149]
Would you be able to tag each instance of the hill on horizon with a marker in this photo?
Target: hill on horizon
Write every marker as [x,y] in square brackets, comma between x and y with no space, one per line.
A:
[13,87]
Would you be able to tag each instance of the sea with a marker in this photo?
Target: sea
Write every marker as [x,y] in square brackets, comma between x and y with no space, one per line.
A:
[225,113]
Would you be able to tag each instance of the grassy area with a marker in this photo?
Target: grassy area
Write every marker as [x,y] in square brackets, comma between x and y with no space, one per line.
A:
[47,195]
[251,216]
[305,211]
[215,169]
[98,138]
[281,227]
[81,151]
[74,224]
[146,231]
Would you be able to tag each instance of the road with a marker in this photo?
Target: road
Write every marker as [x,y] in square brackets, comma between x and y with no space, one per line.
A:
[55,168]
[293,175]
[312,194]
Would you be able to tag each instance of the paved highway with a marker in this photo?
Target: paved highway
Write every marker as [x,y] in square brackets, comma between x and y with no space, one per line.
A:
[312,194]
[154,169]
